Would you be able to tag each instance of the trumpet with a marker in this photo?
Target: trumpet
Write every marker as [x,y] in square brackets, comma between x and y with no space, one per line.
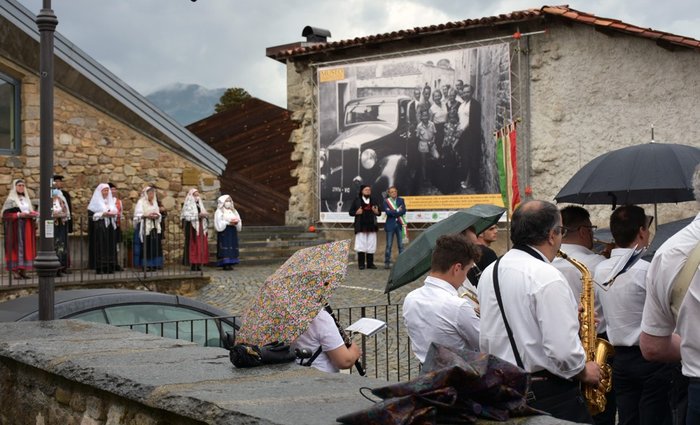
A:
[605,247]
[471,295]
[468,293]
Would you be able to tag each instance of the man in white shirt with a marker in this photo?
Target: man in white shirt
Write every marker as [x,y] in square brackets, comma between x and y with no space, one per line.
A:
[434,312]
[641,387]
[541,312]
[664,337]
[578,244]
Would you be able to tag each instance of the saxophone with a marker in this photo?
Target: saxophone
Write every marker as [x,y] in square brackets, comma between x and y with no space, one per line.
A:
[597,349]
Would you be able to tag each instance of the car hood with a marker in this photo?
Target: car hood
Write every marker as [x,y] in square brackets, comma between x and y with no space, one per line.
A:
[355,137]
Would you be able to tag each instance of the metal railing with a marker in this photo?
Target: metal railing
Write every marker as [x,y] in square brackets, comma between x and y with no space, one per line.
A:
[173,241]
[386,355]
[217,331]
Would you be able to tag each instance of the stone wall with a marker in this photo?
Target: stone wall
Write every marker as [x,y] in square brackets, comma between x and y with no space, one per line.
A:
[34,397]
[91,147]
[303,199]
[588,93]
[592,93]
[69,372]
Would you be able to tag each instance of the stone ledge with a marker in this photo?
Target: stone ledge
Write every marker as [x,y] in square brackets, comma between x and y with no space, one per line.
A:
[165,375]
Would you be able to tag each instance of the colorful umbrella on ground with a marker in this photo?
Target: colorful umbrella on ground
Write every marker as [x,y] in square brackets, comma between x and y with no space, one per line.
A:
[415,260]
[292,296]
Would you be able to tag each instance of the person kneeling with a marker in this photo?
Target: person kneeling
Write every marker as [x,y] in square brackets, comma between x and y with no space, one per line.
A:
[323,339]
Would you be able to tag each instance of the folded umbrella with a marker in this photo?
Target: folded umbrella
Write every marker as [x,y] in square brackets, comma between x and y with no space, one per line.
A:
[456,387]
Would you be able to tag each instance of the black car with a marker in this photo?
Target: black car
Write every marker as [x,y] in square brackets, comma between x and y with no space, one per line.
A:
[372,148]
[170,316]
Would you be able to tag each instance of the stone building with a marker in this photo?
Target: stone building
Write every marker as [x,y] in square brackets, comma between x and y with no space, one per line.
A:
[104,130]
[580,85]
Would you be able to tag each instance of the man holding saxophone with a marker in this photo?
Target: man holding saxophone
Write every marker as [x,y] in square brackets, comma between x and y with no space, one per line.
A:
[578,245]
[529,315]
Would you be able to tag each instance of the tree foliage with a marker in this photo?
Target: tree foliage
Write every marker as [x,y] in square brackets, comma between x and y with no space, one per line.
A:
[231,98]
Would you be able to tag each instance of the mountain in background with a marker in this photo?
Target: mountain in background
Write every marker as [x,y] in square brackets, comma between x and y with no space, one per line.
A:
[186,103]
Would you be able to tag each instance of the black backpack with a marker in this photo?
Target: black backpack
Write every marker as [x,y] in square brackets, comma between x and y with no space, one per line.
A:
[249,355]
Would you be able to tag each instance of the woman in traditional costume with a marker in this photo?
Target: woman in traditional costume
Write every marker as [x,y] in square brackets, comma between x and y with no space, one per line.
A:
[60,212]
[102,230]
[194,226]
[18,217]
[228,223]
[148,249]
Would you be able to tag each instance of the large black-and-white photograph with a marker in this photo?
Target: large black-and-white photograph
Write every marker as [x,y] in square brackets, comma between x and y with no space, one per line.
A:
[423,123]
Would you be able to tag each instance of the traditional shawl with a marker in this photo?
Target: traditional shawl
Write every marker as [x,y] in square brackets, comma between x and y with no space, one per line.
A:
[13,201]
[99,205]
[143,208]
[190,212]
[223,215]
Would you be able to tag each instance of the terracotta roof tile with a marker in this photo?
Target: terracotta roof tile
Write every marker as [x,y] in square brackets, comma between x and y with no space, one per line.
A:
[530,14]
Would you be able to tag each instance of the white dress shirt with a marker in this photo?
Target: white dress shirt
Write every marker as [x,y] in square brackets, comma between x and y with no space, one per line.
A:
[541,311]
[623,301]
[435,313]
[589,259]
[657,318]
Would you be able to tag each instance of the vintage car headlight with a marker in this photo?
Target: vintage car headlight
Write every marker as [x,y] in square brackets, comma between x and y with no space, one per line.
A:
[368,158]
[322,156]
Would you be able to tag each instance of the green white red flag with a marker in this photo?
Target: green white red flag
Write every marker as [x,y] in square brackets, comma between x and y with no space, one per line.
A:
[507,160]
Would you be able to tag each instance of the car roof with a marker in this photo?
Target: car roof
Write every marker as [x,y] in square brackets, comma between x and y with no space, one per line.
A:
[71,302]
[377,99]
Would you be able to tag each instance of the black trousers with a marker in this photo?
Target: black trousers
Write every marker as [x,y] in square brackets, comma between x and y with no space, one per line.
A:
[641,388]
[559,397]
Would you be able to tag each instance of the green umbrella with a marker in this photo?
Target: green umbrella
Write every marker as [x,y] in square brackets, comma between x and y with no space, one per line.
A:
[414,261]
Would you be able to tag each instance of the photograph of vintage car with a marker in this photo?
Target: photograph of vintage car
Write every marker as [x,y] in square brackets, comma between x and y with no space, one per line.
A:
[373,148]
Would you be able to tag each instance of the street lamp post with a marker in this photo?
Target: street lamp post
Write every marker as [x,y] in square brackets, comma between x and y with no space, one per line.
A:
[46,261]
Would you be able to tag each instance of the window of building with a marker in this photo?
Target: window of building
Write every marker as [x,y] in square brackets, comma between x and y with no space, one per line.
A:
[9,115]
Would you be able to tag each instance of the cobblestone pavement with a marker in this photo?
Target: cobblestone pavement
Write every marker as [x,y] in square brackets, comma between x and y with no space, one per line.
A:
[233,290]
[387,356]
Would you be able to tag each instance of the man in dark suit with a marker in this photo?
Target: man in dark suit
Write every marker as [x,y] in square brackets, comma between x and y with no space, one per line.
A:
[469,144]
[395,209]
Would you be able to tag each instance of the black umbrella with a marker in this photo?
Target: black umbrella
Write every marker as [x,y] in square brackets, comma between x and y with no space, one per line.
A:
[663,232]
[651,173]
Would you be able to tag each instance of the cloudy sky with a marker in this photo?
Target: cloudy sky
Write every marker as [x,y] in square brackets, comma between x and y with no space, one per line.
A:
[221,43]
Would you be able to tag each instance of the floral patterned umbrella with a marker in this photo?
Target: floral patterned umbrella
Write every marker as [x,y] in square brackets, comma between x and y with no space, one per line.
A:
[292,296]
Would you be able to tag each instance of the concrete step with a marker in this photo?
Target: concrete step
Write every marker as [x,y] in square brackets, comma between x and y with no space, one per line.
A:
[272,244]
